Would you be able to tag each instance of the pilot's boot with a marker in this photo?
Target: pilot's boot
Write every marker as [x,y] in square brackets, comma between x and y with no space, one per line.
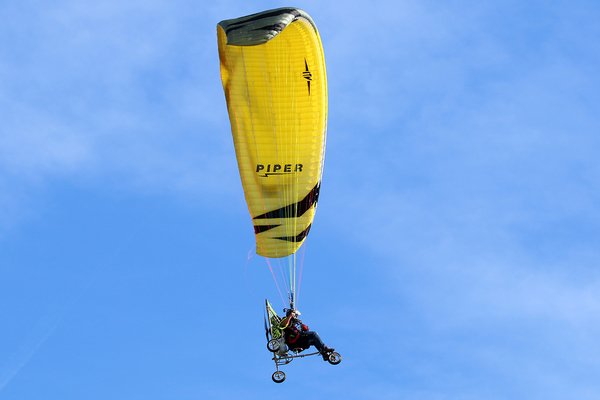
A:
[325,352]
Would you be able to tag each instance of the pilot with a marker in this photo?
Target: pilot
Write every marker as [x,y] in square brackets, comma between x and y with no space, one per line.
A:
[298,336]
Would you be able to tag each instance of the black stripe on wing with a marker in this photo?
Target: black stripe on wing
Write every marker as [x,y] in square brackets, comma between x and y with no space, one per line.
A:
[297,209]
[296,239]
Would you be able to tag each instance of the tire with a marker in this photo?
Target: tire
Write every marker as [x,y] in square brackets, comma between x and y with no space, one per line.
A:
[334,358]
[278,376]
[273,345]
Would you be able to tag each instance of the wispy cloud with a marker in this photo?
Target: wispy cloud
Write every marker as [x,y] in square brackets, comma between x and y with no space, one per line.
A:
[113,93]
[12,365]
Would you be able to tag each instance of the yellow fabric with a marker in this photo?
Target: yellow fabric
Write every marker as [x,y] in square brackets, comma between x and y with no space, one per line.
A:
[277,101]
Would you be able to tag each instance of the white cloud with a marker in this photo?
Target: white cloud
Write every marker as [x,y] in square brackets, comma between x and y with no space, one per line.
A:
[122,94]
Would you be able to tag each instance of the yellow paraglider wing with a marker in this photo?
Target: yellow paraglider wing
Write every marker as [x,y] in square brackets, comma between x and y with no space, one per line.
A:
[273,74]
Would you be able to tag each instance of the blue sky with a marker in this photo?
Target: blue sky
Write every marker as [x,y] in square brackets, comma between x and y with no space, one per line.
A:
[454,254]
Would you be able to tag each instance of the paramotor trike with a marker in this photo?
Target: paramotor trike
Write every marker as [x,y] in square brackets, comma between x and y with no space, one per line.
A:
[282,354]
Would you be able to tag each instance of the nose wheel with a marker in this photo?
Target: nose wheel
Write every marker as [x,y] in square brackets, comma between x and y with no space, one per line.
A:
[334,358]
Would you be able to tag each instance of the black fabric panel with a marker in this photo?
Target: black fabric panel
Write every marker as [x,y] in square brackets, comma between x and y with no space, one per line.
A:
[298,238]
[274,27]
[263,228]
[295,210]
[260,16]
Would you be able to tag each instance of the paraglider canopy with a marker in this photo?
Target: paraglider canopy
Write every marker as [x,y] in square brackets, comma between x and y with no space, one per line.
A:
[273,73]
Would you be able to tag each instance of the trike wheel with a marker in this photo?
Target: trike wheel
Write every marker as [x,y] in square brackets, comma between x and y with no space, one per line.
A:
[273,345]
[334,358]
[278,376]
